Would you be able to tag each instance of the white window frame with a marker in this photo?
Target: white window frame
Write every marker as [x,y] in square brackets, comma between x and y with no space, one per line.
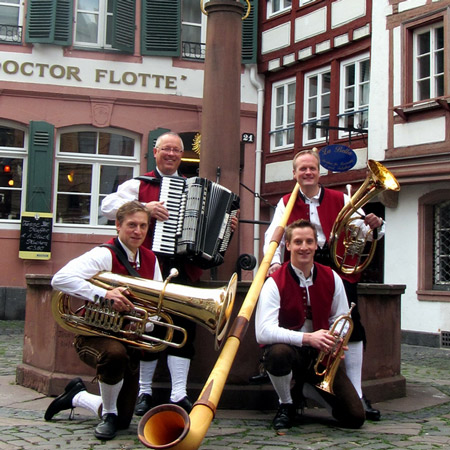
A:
[439,280]
[103,15]
[3,31]
[321,133]
[96,161]
[272,10]
[433,55]
[18,153]
[202,25]
[360,110]
[285,126]
[306,2]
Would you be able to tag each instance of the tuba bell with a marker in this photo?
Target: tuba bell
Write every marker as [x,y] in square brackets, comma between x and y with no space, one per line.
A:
[327,363]
[347,242]
[154,304]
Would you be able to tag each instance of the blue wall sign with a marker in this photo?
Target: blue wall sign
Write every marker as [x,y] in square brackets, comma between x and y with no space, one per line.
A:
[337,158]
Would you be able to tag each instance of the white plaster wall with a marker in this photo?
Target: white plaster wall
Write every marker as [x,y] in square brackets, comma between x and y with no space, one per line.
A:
[152,75]
[310,24]
[410,4]
[423,132]
[344,11]
[276,38]
[379,86]
[401,262]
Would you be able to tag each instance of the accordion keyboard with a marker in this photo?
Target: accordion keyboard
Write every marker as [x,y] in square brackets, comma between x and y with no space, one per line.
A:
[172,194]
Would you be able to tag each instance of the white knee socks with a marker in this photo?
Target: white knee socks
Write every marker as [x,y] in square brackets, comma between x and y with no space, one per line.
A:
[353,364]
[179,369]
[110,393]
[282,386]
[87,401]
[146,372]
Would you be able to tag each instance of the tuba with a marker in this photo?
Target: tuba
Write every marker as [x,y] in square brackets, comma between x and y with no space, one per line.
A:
[352,258]
[327,363]
[154,304]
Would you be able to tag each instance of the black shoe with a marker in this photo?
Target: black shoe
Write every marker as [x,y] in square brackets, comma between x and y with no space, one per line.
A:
[185,403]
[107,428]
[284,417]
[371,413]
[64,401]
[143,404]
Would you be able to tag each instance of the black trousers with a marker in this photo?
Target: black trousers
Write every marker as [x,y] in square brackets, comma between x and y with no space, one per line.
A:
[346,406]
[113,362]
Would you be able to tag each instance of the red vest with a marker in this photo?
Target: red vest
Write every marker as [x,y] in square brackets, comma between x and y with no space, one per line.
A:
[330,204]
[293,298]
[147,260]
[149,192]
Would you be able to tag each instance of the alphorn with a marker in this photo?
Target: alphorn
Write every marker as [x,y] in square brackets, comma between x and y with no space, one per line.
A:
[169,426]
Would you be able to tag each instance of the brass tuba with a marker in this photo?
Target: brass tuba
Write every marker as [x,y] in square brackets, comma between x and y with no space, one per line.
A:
[327,363]
[352,258]
[154,303]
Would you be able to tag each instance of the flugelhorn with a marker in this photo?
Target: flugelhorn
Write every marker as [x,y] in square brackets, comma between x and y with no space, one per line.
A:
[347,241]
[169,426]
[327,363]
[154,304]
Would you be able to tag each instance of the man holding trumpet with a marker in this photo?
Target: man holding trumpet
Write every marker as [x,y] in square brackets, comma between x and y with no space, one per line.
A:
[298,305]
[321,206]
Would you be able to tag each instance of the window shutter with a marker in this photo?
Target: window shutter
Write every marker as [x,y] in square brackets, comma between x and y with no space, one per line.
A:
[249,36]
[161,24]
[152,136]
[124,25]
[50,21]
[40,164]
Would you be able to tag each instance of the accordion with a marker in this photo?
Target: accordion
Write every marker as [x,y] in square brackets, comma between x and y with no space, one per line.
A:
[199,224]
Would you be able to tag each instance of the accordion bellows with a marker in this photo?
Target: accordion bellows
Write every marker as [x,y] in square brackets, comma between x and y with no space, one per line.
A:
[199,224]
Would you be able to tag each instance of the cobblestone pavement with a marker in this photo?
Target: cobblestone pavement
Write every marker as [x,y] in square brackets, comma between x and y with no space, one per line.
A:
[420,421]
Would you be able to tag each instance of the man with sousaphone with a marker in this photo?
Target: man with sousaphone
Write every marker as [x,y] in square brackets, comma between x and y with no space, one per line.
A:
[322,206]
[298,305]
[116,363]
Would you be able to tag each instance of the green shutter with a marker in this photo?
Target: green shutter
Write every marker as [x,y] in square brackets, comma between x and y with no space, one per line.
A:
[161,23]
[152,136]
[249,36]
[50,21]
[124,25]
[40,164]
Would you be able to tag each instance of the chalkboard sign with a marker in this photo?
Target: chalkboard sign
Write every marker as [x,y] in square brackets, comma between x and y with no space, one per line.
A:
[35,235]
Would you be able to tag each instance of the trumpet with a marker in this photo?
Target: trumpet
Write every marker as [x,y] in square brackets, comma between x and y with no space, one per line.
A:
[350,258]
[154,304]
[327,363]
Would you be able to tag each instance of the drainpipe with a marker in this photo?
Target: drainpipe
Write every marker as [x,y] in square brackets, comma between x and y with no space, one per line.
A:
[259,85]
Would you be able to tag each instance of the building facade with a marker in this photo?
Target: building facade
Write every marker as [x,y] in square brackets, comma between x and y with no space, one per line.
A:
[372,76]
[85,90]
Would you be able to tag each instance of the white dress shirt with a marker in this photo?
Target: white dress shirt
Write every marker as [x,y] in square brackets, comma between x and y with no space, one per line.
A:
[74,277]
[267,327]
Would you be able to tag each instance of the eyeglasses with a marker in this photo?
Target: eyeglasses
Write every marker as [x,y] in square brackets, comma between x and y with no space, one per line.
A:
[170,149]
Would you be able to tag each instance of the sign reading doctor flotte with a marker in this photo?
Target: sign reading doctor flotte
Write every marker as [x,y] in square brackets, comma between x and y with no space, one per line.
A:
[337,158]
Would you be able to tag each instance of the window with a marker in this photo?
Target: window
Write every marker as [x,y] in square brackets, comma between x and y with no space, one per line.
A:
[94,23]
[434,246]
[317,105]
[278,6]
[441,251]
[12,164]
[91,165]
[283,115]
[354,98]
[10,21]
[193,30]
[428,60]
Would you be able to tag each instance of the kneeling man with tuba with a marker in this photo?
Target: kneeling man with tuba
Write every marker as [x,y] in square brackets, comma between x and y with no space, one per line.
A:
[298,305]
[116,363]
